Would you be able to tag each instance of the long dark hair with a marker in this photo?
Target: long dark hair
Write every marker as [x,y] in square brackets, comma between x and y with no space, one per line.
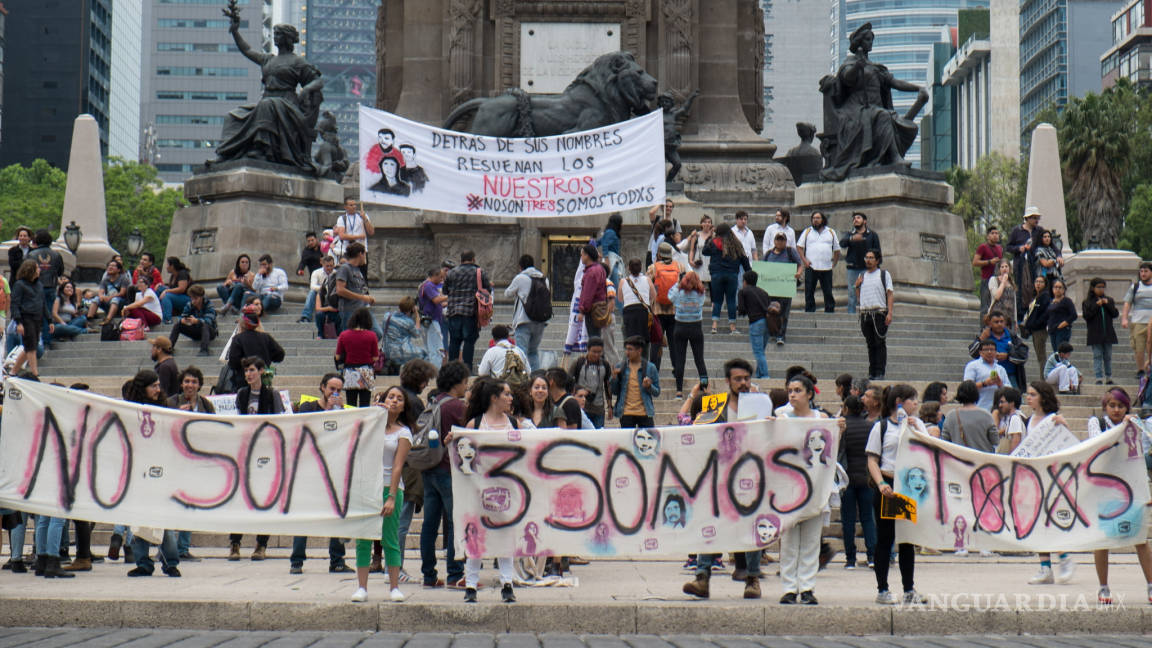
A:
[731,247]
[1048,401]
[894,393]
[236,268]
[615,222]
[480,397]
[405,417]
[136,390]
[75,300]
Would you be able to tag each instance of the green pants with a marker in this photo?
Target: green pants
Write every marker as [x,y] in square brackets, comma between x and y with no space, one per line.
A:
[389,537]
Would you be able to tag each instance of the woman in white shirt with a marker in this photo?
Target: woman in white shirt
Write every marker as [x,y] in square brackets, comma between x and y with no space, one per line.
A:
[800,544]
[635,292]
[397,443]
[1117,409]
[1041,397]
[899,401]
[490,408]
[147,304]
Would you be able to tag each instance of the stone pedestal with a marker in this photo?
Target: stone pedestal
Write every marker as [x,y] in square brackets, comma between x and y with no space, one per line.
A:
[1117,267]
[249,208]
[925,247]
[1045,184]
[84,202]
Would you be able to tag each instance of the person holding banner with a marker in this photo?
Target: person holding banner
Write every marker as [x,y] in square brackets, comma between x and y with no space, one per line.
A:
[397,443]
[1117,410]
[726,262]
[900,408]
[1041,397]
[490,408]
[783,250]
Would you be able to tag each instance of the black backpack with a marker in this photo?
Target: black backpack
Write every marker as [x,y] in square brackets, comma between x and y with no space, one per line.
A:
[328,294]
[538,306]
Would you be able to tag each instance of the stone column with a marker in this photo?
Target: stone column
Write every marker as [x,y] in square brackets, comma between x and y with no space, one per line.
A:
[1045,185]
[84,198]
[422,97]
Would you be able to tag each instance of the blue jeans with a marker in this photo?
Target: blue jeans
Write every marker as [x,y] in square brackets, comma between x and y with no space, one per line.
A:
[183,542]
[462,334]
[48,533]
[16,535]
[758,335]
[336,552]
[857,499]
[597,420]
[528,336]
[309,306]
[77,326]
[852,274]
[173,302]
[435,343]
[406,513]
[169,555]
[1102,360]
[49,300]
[1057,336]
[271,301]
[751,559]
[232,295]
[725,285]
[437,509]
[323,317]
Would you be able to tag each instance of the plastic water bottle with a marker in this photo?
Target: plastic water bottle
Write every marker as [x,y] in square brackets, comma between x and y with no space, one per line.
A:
[901,415]
[433,439]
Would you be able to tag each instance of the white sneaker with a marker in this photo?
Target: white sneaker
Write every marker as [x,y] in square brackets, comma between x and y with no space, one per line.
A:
[912,597]
[885,598]
[961,553]
[984,553]
[360,596]
[1065,569]
[1042,577]
[397,595]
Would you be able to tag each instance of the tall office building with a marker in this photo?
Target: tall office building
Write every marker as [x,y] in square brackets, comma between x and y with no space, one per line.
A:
[341,42]
[905,33]
[57,61]
[1061,42]
[193,75]
[1130,56]
[125,81]
[796,55]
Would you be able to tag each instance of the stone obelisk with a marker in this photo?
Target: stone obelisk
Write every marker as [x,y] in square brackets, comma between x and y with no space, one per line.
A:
[84,199]
[1045,186]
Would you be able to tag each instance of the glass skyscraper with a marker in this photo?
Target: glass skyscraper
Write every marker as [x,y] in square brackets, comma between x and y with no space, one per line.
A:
[340,40]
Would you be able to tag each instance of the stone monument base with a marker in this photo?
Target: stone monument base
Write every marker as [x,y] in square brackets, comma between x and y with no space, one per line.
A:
[1117,267]
[924,246]
[253,210]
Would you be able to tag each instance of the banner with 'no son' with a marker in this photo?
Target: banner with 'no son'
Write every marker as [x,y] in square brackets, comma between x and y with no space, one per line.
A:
[641,493]
[1089,496]
[409,164]
[79,455]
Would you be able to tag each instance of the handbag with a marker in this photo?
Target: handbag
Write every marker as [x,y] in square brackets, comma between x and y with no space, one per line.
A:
[655,331]
[600,315]
[483,303]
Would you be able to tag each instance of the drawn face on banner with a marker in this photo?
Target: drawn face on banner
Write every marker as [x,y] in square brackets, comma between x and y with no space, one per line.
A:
[916,484]
[959,528]
[767,529]
[816,449]
[675,511]
[646,442]
[467,453]
[1132,441]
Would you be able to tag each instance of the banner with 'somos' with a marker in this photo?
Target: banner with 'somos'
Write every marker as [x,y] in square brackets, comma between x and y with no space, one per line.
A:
[645,492]
[83,456]
[409,164]
[1089,496]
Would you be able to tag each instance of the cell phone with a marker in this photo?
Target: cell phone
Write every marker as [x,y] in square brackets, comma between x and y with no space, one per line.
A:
[704,382]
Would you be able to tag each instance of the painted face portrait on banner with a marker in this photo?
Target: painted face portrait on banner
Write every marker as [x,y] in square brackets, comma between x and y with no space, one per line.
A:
[467,453]
[646,442]
[818,447]
[675,510]
[767,529]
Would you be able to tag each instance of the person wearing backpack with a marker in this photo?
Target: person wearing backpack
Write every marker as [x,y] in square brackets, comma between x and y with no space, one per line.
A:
[663,275]
[504,360]
[532,301]
[461,286]
[592,372]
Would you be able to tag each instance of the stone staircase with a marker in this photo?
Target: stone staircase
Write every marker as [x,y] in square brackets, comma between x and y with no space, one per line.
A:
[924,344]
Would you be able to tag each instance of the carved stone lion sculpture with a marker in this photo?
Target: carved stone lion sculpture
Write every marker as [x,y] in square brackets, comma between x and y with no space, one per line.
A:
[614,88]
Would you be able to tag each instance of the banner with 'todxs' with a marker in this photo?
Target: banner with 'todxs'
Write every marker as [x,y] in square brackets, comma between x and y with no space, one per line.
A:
[79,455]
[409,164]
[647,492]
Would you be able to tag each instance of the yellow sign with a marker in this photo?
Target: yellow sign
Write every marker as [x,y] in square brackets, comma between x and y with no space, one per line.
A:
[898,507]
[312,399]
[710,408]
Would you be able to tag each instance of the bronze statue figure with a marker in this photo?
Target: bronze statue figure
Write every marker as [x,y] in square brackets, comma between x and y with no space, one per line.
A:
[674,121]
[280,126]
[331,160]
[861,129]
[614,88]
[806,132]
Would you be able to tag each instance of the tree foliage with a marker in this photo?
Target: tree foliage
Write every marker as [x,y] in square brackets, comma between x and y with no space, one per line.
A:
[134,197]
[991,194]
[1137,235]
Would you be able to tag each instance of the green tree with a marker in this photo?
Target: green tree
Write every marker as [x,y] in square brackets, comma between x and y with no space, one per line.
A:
[990,194]
[1137,234]
[134,197]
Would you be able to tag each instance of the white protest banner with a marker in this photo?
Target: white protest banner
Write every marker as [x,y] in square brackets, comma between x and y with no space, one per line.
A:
[409,164]
[225,404]
[80,455]
[1089,496]
[1045,439]
[644,493]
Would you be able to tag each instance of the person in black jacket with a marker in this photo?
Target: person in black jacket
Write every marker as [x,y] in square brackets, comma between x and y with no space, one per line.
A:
[857,497]
[250,342]
[856,244]
[27,306]
[592,372]
[1099,310]
[17,252]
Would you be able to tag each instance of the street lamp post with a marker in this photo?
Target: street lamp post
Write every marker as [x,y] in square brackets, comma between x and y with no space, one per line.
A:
[135,245]
[72,237]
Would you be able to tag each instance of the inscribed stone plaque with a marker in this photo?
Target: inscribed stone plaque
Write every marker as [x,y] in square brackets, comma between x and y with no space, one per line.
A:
[552,54]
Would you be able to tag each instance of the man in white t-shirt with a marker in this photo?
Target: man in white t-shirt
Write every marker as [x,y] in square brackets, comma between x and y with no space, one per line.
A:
[819,250]
[746,236]
[875,294]
[351,227]
[496,357]
[986,373]
[1137,314]
[783,218]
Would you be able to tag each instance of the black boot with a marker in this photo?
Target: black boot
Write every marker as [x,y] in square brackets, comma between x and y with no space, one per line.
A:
[41,561]
[52,569]
[18,567]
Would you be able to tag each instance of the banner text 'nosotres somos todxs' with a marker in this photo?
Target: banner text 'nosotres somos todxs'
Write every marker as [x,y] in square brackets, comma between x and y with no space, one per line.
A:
[409,164]
[83,456]
[648,492]
[1089,496]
